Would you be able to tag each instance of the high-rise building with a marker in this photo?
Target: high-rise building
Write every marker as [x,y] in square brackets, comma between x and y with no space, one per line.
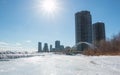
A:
[83,29]
[51,48]
[98,32]
[61,47]
[57,45]
[39,47]
[45,49]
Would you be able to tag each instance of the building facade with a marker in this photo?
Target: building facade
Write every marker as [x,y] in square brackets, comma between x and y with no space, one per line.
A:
[51,48]
[57,45]
[45,48]
[61,47]
[39,47]
[83,29]
[98,32]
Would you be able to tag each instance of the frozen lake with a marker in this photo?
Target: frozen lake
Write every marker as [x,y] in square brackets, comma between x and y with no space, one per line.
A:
[51,64]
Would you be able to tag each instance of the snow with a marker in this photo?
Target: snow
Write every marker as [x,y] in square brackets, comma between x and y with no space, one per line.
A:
[53,64]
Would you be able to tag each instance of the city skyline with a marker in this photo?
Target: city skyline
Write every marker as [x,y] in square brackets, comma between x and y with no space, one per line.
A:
[49,47]
[23,25]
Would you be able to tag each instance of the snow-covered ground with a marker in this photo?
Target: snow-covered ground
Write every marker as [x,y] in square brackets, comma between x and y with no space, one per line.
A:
[51,64]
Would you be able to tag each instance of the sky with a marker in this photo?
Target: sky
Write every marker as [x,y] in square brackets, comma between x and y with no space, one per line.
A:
[23,23]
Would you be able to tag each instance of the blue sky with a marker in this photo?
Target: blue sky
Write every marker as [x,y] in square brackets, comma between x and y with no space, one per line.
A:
[23,23]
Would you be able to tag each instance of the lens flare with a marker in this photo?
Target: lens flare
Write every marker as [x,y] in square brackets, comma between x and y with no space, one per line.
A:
[49,6]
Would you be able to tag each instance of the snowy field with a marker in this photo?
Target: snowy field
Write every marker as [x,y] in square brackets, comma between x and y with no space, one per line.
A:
[51,64]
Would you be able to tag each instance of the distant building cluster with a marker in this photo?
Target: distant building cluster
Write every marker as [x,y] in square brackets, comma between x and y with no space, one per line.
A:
[85,31]
[46,48]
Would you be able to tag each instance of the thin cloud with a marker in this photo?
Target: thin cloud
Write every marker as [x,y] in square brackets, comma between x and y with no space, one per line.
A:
[18,44]
[4,43]
[4,46]
[28,41]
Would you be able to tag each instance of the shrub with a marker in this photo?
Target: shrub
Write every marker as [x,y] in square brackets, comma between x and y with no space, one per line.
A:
[110,47]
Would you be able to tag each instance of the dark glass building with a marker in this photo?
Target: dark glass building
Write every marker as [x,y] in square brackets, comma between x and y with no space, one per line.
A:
[83,29]
[51,48]
[57,45]
[45,49]
[61,47]
[39,47]
[98,32]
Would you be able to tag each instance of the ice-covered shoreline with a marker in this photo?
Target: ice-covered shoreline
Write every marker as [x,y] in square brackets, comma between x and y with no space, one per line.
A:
[55,64]
[13,55]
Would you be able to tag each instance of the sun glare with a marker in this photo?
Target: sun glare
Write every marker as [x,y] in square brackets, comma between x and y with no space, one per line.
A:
[49,6]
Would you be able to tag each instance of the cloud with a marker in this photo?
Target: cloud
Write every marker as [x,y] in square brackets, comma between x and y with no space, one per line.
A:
[18,44]
[4,46]
[28,41]
[3,43]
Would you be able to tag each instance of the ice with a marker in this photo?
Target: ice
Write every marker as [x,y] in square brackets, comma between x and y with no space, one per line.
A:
[54,64]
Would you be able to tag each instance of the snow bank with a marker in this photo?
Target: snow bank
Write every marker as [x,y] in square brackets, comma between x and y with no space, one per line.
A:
[51,64]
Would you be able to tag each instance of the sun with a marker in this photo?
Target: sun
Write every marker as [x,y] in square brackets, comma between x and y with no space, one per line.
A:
[49,6]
